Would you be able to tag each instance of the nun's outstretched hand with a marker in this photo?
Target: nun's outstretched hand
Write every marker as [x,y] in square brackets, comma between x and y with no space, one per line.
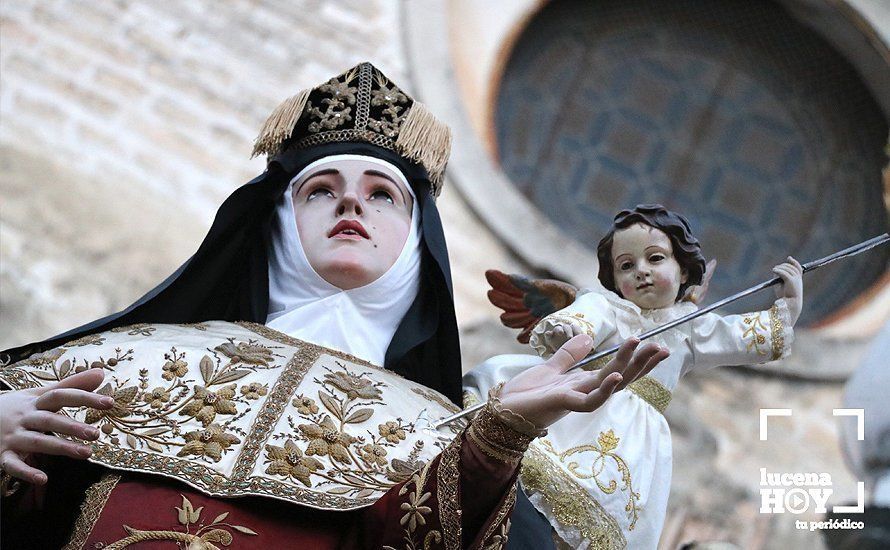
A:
[545,393]
[26,417]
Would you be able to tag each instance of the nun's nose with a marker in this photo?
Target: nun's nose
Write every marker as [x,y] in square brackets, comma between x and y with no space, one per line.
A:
[349,204]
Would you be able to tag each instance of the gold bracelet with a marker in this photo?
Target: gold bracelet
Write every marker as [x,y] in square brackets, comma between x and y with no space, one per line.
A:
[495,438]
[510,418]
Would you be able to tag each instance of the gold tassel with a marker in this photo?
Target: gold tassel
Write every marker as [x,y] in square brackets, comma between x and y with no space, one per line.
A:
[280,124]
[426,140]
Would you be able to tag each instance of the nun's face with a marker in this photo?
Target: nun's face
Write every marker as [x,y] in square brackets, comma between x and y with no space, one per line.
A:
[353,217]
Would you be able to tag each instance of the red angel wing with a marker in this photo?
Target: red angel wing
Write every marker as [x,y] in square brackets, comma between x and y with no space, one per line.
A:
[526,301]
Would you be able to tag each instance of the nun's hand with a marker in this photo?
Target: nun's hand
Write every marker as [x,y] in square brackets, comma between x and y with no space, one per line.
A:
[545,393]
[28,414]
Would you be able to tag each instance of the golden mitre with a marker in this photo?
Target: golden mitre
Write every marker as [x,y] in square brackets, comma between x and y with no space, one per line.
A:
[361,105]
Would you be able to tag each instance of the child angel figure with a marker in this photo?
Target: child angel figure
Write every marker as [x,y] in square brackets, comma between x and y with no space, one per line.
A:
[602,479]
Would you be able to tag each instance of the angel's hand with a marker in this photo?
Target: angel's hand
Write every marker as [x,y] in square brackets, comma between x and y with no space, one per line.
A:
[791,288]
[29,414]
[545,393]
[561,333]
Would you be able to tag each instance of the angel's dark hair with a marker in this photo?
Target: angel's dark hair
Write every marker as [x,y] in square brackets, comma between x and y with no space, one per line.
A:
[687,251]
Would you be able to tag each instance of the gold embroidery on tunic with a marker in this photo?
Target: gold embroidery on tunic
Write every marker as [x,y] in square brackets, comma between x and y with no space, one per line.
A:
[652,391]
[649,389]
[499,541]
[93,503]
[183,417]
[604,448]
[447,483]
[415,509]
[89,339]
[598,364]
[570,503]
[501,524]
[755,333]
[357,464]
[778,332]
[217,531]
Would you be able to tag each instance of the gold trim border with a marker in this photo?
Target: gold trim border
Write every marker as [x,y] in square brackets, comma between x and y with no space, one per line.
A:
[569,502]
[94,502]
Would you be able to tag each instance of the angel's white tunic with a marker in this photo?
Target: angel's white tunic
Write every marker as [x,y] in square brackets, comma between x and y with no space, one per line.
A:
[603,478]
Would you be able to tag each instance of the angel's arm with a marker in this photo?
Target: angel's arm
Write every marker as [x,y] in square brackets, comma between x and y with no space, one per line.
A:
[750,338]
[589,314]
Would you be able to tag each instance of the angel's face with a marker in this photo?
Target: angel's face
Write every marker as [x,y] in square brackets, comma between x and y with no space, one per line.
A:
[645,269]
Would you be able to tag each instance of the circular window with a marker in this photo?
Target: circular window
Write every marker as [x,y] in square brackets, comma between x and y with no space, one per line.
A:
[731,113]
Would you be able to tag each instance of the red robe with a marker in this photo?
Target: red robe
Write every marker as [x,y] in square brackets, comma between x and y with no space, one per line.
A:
[461,499]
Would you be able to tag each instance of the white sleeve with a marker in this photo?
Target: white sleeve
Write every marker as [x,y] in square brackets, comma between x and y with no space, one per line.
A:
[591,311]
[492,372]
[746,339]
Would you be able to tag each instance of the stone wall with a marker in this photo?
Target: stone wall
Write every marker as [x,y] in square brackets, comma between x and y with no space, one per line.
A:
[125,124]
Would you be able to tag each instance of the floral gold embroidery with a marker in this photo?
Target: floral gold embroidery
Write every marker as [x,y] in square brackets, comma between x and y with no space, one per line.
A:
[245,395]
[754,334]
[212,441]
[338,106]
[139,329]
[603,449]
[373,454]
[569,502]
[89,339]
[496,535]
[326,439]
[206,404]
[499,540]
[254,390]
[250,353]
[205,537]
[288,461]
[174,369]
[305,405]
[358,462]
[392,431]
[355,387]
[416,510]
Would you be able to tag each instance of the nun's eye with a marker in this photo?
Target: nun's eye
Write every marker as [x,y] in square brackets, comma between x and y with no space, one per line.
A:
[380,194]
[319,192]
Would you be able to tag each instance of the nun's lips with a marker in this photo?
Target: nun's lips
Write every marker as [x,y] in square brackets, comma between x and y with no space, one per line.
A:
[348,229]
